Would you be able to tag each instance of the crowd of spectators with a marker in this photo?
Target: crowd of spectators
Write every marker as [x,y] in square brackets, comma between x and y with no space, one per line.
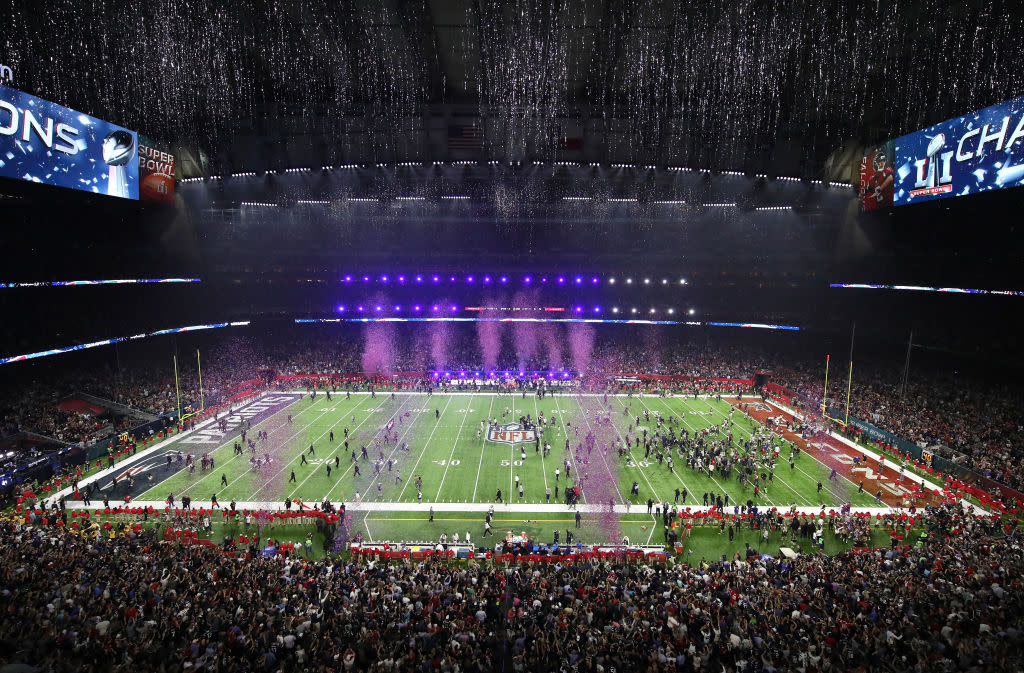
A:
[952,602]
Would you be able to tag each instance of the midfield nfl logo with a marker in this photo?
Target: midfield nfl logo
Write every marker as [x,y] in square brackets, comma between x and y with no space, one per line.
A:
[510,433]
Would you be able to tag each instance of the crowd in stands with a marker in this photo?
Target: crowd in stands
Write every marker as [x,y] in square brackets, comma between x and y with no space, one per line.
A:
[952,602]
[977,421]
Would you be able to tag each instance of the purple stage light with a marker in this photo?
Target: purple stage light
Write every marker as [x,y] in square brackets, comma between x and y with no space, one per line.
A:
[490,374]
[487,279]
[401,279]
[561,280]
[348,279]
[341,309]
[462,373]
[597,309]
[397,308]
[452,279]
[366,279]
[383,279]
[579,309]
[454,308]
[544,279]
[437,279]
[379,308]
[436,308]
[578,280]
[469,279]
[360,308]
[527,280]
[476,374]
[594,280]
[416,308]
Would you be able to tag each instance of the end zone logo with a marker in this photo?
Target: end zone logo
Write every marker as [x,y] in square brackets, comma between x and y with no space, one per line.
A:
[510,433]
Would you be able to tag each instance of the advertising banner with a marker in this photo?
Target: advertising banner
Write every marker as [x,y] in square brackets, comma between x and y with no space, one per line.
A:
[156,172]
[47,143]
[977,152]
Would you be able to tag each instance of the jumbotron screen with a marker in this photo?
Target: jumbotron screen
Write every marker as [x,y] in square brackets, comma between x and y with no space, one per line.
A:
[977,152]
[43,142]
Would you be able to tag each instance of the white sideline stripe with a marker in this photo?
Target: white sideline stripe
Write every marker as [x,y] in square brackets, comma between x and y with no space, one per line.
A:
[370,507]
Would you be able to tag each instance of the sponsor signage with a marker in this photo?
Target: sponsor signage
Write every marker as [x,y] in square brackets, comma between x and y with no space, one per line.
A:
[977,152]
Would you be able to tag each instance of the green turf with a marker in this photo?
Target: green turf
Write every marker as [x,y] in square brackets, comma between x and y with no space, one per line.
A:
[458,467]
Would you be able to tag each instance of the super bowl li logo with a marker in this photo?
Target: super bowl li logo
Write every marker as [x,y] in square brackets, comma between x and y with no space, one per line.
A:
[933,171]
[511,433]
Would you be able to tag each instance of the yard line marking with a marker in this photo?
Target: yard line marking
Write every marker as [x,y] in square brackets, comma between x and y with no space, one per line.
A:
[229,442]
[643,472]
[483,445]
[823,483]
[454,444]
[405,434]
[608,469]
[335,452]
[437,424]
[725,491]
[782,479]
[212,475]
[543,467]
[569,456]
[295,458]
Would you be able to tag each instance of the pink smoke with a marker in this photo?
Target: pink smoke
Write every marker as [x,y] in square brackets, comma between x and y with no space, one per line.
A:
[489,336]
[552,345]
[379,348]
[581,345]
[440,341]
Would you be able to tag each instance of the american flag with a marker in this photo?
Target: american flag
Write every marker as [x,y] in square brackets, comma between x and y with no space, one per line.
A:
[465,137]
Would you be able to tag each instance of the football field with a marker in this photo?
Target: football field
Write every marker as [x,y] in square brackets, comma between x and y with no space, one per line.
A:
[440,443]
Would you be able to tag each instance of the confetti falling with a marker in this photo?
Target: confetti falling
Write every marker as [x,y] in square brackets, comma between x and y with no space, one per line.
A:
[718,82]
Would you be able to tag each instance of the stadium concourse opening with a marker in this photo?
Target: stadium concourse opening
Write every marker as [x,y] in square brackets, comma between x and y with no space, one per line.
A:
[467,337]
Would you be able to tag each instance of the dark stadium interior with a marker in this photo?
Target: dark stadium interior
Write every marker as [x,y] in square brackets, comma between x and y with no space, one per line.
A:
[612,160]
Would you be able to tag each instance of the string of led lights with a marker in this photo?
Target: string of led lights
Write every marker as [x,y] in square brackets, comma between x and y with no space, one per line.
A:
[120,281]
[501,279]
[927,288]
[592,321]
[115,340]
[557,164]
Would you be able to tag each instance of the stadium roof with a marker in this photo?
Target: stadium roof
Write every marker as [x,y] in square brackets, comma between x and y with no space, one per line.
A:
[776,88]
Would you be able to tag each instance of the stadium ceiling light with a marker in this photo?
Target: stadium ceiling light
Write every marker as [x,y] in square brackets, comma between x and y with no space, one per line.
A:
[664,281]
[561,280]
[401,279]
[691,311]
[671,311]
[611,281]
[653,310]
[341,309]
[579,280]
[437,279]
[594,280]
[487,279]
[682,281]
[633,310]
[419,279]
[629,281]
[615,309]
[647,281]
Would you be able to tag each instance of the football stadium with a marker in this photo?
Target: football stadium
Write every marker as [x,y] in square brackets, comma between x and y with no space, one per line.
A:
[477,336]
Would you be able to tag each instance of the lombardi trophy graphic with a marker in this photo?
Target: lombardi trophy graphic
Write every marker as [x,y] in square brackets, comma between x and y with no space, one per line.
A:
[118,150]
